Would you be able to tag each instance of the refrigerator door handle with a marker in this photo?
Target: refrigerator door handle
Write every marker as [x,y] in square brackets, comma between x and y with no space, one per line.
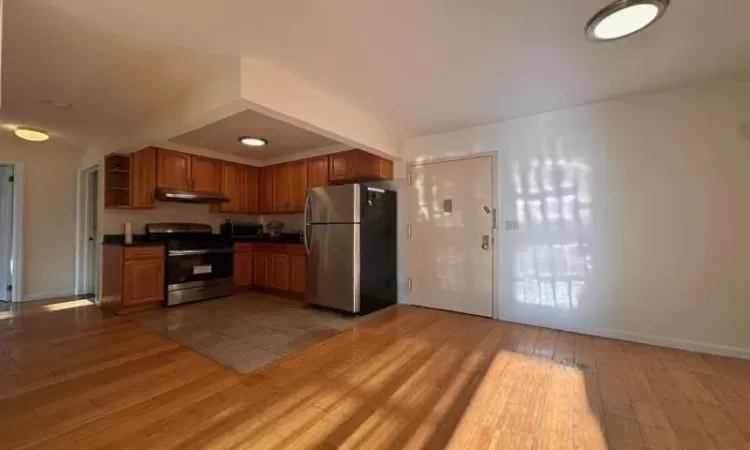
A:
[306,224]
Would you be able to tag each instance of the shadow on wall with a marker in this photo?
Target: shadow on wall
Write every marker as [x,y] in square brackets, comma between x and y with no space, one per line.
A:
[552,264]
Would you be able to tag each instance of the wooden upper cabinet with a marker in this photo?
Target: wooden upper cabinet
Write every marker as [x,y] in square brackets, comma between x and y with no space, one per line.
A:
[240,184]
[317,172]
[358,165]
[296,185]
[289,186]
[251,190]
[143,179]
[361,164]
[265,189]
[176,170]
[232,185]
[130,180]
[366,166]
[172,169]
[280,198]
[385,169]
[339,166]
[205,174]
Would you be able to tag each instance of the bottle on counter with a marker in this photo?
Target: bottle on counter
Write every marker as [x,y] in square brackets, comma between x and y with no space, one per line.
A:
[128,232]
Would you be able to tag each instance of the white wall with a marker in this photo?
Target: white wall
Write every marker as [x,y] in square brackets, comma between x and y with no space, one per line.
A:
[49,208]
[633,215]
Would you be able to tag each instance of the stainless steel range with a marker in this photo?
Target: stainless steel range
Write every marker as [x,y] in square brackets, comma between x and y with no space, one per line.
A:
[199,263]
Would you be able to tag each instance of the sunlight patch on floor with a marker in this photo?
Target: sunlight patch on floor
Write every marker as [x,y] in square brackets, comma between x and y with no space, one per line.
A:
[66,305]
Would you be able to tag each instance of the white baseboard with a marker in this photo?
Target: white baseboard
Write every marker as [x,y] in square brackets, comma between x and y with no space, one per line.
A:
[661,341]
[47,295]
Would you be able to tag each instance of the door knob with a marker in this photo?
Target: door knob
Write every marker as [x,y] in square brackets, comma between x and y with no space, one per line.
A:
[485,242]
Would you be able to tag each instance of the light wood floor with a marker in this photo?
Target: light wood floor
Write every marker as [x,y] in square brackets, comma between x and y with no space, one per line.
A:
[411,378]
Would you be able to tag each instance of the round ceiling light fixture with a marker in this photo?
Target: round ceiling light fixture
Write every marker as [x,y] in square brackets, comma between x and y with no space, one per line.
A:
[252,141]
[623,18]
[31,134]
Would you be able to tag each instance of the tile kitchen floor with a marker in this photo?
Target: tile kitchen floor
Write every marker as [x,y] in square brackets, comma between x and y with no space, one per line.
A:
[247,331]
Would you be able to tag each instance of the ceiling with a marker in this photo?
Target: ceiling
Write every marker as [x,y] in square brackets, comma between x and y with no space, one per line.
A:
[417,66]
[85,84]
[283,139]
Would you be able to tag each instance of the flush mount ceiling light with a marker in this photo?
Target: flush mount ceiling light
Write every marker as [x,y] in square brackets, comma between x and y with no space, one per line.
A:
[253,141]
[623,18]
[31,134]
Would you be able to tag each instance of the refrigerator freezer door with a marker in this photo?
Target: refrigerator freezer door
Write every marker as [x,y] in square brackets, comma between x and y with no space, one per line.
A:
[333,266]
[333,204]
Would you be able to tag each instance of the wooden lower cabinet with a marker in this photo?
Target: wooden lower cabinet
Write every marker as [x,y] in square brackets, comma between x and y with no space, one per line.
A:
[260,270]
[280,272]
[133,277]
[143,281]
[280,267]
[243,270]
[298,273]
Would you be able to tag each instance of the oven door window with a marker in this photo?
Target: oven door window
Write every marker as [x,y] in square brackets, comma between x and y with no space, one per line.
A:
[189,268]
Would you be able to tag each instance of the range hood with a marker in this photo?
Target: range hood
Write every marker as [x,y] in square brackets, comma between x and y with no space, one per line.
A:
[184,196]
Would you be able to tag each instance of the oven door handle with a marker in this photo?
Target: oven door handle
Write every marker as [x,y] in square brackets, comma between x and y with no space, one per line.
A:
[198,252]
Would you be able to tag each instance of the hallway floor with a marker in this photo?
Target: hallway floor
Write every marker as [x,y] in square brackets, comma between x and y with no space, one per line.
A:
[409,378]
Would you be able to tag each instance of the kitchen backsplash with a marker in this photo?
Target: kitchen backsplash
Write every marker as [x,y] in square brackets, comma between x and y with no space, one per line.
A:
[113,220]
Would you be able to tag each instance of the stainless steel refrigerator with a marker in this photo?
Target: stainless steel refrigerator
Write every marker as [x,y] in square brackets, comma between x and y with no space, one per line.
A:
[350,237]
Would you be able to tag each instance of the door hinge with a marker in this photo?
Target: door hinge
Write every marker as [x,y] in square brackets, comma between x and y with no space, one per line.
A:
[408,231]
[408,178]
[408,284]
[494,219]
[11,178]
[9,288]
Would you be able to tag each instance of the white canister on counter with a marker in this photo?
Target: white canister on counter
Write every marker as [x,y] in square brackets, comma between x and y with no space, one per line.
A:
[128,233]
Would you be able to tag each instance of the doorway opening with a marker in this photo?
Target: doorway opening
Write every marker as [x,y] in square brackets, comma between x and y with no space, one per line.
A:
[88,228]
[8,263]
[450,236]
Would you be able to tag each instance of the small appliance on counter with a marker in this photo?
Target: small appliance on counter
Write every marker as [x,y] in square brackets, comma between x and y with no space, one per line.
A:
[247,231]
[274,229]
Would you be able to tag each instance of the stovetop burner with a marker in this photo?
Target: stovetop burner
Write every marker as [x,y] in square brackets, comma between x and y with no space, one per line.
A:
[187,236]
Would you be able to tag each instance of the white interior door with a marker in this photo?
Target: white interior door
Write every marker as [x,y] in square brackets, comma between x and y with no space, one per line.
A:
[450,249]
[6,231]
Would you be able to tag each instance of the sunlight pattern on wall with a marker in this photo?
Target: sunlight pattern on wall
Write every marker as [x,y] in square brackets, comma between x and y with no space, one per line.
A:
[552,261]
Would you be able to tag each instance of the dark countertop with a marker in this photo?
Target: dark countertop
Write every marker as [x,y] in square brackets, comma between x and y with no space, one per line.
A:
[140,240]
[285,238]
